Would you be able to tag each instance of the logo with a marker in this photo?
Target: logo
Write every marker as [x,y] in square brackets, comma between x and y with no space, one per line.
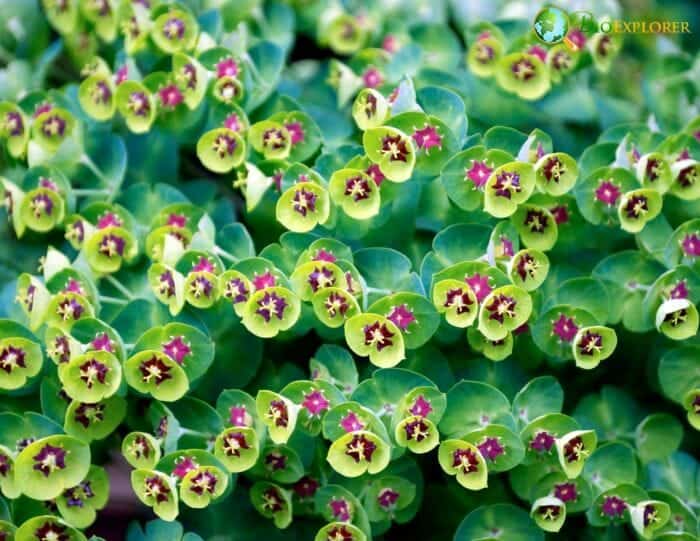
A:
[551,25]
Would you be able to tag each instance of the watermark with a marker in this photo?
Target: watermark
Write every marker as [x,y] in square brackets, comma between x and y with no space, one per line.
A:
[553,25]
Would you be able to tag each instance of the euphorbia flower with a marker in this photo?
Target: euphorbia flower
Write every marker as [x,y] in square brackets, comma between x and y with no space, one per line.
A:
[478,173]
[387,498]
[296,131]
[464,460]
[234,442]
[87,414]
[565,328]
[156,489]
[177,349]
[52,531]
[358,188]
[352,423]
[278,414]
[76,496]
[372,78]
[306,487]
[341,509]
[420,407]
[690,244]
[92,371]
[491,448]
[566,492]
[50,459]
[378,335]
[608,192]
[613,507]
[275,461]
[154,369]
[427,138]
[315,402]
[542,442]
[184,465]
[227,67]
[501,306]
[272,501]
[12,357]
[271,305]
[401,316]
[479,284]
[360,448]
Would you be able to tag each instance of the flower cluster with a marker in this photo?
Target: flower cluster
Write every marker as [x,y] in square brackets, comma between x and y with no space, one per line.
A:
[274,281]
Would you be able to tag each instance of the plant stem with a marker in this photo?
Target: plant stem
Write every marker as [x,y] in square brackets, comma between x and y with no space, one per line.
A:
[112,300]
[89,192]
[120,287]
[225,255]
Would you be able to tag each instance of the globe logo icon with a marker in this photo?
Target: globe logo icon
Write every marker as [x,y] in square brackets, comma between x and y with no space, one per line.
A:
[551,25]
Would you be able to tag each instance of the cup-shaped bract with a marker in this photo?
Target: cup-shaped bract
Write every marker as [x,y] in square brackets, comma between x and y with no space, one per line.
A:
[573,448]
[465,461]
[359,452]
[156,490]
[504,309]
[392,150]
[155,373]
[591,345]
[549,513]
[377,337]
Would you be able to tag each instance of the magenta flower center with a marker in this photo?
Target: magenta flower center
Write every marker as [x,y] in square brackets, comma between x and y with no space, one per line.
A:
[177,349]
[613,507]
[315,402]
[139,104]
[479,285]
[387,498]
[340,508]
[184,465]
[174,29]
[491,448]
[478,173]
[372,78]
[566,492]
[538,51]
[691,244]
[427,137]
[306,487]
[296,132]
[565,328]
[608,193]
[679,290]
[264,280]
[420,407]
[227,68]
[239,416]
[542,442]
[351,422]
[401,316]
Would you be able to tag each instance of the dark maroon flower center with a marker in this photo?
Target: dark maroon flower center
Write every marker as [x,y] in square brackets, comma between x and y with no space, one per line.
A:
[553,169]
[395,147]
[566,492]
[87,414]
[542,442]
[49,459]
[140,448]
[561,61]
[549,512]
[76,496]
[652,171]
[234,442]
[604,46]
[187,76]
[636,206]
[358,188]
[203,482]
[536,221]
[688,176]
[491,448]
[590,343]
[139,104]
[677,317]
[272,500]
[5,464]
[306,487]
[101,93]
[608,193]
[50,531]
[484,53]
[523,69]
[53,126]
[613,507]
[166,284]
[315,402]
[41,204]
[565,328]
[275,461]
[274,138]
[351,422]
[401,316]
[560,213]
[507,183]
[360,448]
[277,412]
[174,29]
[236,291]
[13,124]
[201,286]
[177,349]
[224,145]
[93,371]
[501,306]
[650,515]
[76,231]
[335,304]
[417,430]
[156,488]
[304,201]
[527,266]
[378,335]
[575,450]
[465,460]
[70,309]
[154,369]
[459,299]
[112,245]
[12,357]
[271,305]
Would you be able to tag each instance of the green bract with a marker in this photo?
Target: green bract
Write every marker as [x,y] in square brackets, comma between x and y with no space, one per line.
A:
[221,150]
[376,337]
[152,372]
[358,452]
[464,460]
[392,150]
